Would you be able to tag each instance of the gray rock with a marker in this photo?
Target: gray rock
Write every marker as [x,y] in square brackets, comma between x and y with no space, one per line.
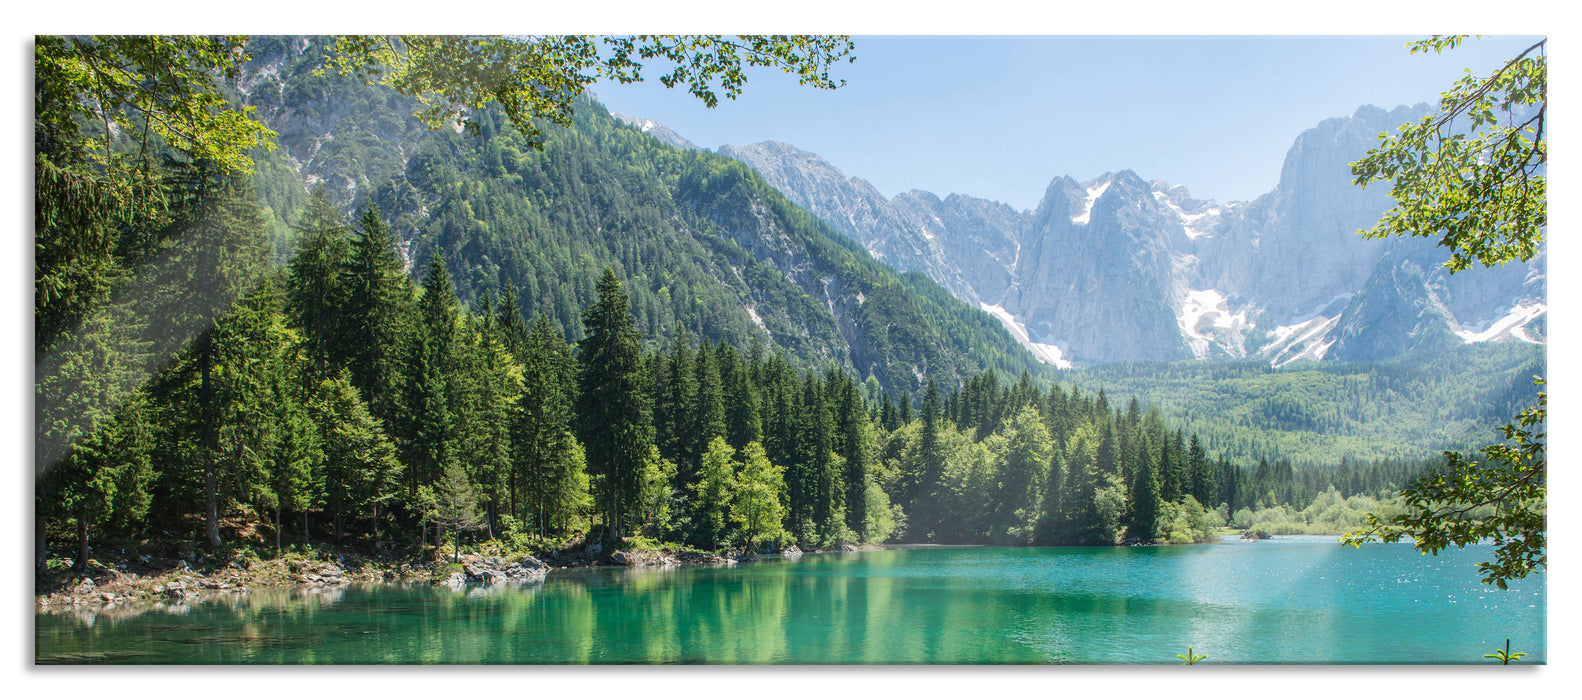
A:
[1117,268]
[455,582]
[527,570]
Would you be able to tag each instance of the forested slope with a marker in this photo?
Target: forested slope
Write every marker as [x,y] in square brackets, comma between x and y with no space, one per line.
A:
[1319,413]
[699,238]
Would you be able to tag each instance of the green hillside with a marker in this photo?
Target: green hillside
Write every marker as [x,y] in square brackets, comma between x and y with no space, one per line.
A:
[700,239]
[1318,413]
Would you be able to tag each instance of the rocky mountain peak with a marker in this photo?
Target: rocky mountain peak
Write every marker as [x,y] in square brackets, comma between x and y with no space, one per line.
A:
[1120,268]
[658,131]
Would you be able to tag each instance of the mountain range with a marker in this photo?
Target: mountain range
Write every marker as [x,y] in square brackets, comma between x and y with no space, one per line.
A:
[700,241]
[794,254]
[1119,268]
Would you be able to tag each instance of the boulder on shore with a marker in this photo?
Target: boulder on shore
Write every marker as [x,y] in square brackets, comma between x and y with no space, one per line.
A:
[488,571]
[527,570]
[642,558]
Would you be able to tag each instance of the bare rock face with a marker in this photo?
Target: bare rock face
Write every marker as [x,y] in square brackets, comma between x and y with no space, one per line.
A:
[1096,272]
[1116,268]
[659,131]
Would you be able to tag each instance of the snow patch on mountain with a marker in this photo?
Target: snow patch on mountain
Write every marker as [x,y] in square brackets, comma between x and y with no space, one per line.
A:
[1189,220]
[1046,353]
[1510,325]
[1201,304]
[1094,192]
[1300,341]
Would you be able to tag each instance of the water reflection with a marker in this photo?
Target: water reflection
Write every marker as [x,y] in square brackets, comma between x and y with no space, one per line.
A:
[1246,604]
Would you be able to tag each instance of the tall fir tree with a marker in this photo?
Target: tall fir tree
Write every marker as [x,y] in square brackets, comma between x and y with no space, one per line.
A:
[616,417]
[378,301]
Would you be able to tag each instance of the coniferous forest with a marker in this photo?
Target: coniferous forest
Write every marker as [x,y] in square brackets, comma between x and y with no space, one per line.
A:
[338,400]
[594,340]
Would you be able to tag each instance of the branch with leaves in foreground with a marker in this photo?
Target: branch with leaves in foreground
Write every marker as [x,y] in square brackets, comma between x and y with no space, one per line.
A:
[1501,500]
[1473,172]
[535,78]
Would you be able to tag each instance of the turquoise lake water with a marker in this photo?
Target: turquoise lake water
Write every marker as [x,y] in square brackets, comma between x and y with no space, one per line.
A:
[1294,600]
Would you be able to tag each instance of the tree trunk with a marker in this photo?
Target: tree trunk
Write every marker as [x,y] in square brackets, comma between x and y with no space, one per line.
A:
[82,541]
[40,540]
[277,532]
[210,487]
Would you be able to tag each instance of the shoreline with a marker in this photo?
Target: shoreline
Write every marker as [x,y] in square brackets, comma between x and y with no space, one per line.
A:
[119,580]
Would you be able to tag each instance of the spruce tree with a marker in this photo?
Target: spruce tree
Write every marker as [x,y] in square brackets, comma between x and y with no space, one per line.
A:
[314,291]
[742,415]
[361,471]
[616,420]
[541,437]
[708,413]
[378,299]
[1144,493]
[1023,473]
[674,401]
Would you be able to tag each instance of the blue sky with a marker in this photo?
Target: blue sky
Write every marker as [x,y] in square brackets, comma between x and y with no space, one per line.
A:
[999,117]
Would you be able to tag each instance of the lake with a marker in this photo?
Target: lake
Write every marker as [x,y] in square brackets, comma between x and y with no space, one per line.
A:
[1291,600]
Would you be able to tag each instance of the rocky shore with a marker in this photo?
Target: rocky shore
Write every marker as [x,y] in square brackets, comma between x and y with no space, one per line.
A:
[116,581]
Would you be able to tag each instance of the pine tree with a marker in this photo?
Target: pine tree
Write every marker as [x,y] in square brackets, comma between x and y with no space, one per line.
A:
[454,506]
[1169,485]
[361,471]
[497,381]
[930,466]
[1199,473]
[616,417]
[742,416]
[432,429]
[708,413]
[853,427]
[1078,518]
[314,292]
[220,256]
[296,471]
[675,397]
[1023,474]
[106,476]
[541,438]
[378,302]
[1144,493]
